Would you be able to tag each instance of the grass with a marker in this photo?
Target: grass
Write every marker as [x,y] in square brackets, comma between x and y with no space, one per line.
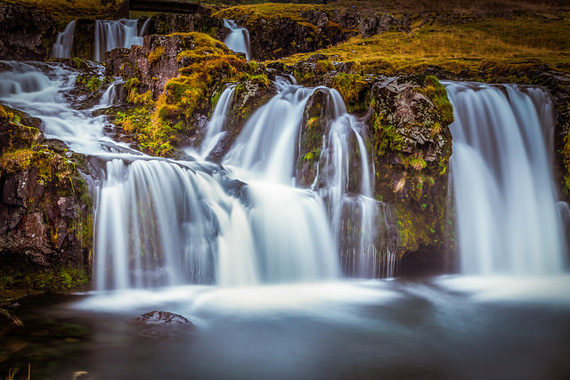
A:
[456,47]
[67,10]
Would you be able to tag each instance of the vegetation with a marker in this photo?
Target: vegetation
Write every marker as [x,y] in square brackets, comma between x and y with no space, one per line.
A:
[60,9]
[206,64]
[478,46]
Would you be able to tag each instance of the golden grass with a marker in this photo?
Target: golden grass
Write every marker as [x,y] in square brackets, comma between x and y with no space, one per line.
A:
[461,46]
[67,10]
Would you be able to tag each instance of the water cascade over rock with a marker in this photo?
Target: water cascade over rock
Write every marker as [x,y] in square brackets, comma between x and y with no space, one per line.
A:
[267,146]
[111,34]
[507,216]
[358,220]
[64,42]
[238,39]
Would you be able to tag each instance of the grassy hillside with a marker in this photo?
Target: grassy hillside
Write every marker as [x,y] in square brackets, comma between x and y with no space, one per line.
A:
[471,45]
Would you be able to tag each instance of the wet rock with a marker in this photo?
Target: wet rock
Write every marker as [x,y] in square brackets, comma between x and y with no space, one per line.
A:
[162,324]
[277,37]
[411,149]
[45,208]
[26,32]
[162,319]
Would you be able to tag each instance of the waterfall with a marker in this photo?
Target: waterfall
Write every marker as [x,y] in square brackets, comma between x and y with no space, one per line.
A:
[215,127]
[111,34]
[162,222]
[267,147]
[64,42]
[238,39]
[357,218]
[507,215]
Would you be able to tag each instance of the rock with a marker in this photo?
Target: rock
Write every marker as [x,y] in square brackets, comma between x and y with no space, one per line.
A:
[162,319]
[411,149]
[376,24]
[27,32]
[167,23]
[45,207]
[280,36]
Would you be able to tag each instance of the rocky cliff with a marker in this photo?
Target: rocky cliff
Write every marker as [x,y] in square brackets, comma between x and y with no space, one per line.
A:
[45,209]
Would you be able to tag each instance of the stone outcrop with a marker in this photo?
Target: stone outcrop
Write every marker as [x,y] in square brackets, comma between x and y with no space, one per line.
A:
[45,207]
[280,36]
[26,33]
[411,148]
[410,144]
[173,82]
[377,24]
[167,23]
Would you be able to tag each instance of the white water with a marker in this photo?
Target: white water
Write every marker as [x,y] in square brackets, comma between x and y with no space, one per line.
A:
[238,39]
[215,129]
[112,34]
[267,145]
[507,214]
[64,42]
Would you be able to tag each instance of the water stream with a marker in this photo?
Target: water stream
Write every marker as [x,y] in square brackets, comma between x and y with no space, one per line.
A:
[238,39]
[508,218]
[255,260]
[64,42]
[111,34]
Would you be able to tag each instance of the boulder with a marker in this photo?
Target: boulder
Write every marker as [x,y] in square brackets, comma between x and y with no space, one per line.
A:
[162,319]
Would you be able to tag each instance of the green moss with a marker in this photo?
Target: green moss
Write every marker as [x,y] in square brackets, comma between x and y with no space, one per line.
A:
[50,280]
[354,90]
[155,55]
[385,137]
[436,92]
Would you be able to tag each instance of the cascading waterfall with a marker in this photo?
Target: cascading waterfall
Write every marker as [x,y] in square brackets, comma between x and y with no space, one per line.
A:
[111,34]
[361,224]
[238,39]
[64,42]
[267,147]
[215,127]
[162,222]
[507,216]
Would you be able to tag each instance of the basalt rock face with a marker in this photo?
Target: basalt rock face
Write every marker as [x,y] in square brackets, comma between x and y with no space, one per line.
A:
[279,36]
[411,148]
[45,207]
[377,24]
[409,142]
[167,23]
[26,33]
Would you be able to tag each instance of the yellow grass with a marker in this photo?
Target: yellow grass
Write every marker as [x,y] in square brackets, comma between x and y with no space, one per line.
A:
[455,47]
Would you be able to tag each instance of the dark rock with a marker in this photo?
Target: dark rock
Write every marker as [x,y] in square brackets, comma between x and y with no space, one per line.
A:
[277,37]
[167,23]
[376,24]
[162,324]
[27,32]
[45,208]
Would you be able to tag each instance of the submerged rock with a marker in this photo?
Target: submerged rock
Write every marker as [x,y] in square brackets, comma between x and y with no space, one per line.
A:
[162,324]
[162,319]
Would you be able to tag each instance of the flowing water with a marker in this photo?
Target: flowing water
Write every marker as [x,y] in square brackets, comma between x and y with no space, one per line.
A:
[263,256]
[238,39]
[111,34]
[508,218]
[64,42]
